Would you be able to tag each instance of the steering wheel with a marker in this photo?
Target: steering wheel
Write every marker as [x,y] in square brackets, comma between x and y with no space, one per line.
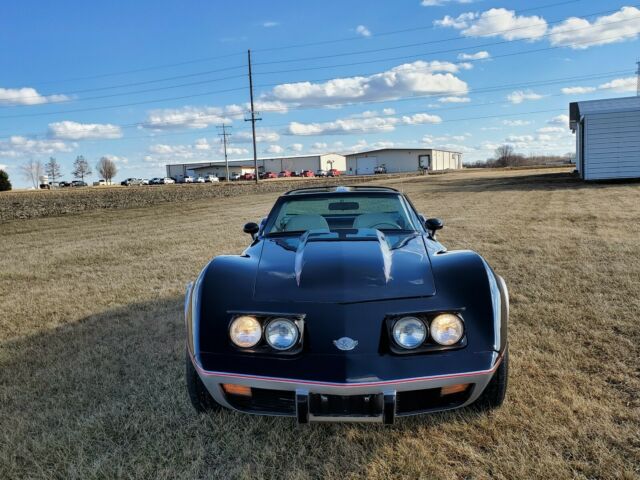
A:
[389,225]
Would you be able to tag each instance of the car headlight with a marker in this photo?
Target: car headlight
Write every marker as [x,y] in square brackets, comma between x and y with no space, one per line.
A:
[281,333]
[409,332]
[447,329]
[245,331]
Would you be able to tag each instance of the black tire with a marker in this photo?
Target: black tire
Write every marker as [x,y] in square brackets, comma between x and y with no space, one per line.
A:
[494,394]
[200,397]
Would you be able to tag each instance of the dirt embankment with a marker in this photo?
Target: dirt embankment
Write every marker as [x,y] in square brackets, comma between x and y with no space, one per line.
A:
[69,201]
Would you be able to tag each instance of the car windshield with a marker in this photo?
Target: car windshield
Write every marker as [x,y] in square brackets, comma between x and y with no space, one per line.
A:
[335,212]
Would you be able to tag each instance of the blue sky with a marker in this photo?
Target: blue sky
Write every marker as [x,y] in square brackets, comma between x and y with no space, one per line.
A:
[146,83]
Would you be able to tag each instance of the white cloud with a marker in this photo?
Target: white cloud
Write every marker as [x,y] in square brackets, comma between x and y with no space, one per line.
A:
[185,117]
[412,78]
[69,130]
[27,96]
[516,123]
[562,120]
[454,100]
[362,30]
[18,146]
[117,159]
[496,22]
[482,55]
[267,136]
[360,125]
[577,90]
[520,96]
[551,130]
[275,149]
[296,147]
[270,24]
[235,151]
[578,33]
[620,85]
[3,167]
[202,144]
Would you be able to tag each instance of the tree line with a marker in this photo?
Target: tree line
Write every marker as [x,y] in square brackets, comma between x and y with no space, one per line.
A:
[33,170]
[506,156]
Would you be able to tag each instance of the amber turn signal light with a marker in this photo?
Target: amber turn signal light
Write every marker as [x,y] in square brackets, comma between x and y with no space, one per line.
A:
[449,389]
[233,389]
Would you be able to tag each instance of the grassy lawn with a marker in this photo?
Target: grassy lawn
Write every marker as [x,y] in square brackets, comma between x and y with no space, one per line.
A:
[92,344]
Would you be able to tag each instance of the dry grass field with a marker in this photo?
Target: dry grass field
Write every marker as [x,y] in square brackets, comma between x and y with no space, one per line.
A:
[92,344]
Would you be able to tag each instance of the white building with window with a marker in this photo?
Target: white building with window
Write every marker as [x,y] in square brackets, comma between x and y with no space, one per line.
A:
[401,160]
[607,137]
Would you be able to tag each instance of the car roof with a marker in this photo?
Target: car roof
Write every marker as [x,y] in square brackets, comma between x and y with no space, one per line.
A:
[341,189]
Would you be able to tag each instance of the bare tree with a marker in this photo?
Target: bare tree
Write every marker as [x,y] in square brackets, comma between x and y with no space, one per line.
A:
[504,155]
[107,169]
[81,168]
[52,169]
[32,171]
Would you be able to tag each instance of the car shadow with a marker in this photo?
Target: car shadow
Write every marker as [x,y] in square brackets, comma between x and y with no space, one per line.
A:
[107,395]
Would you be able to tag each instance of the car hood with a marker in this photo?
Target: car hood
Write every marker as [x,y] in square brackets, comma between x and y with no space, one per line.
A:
[343,267]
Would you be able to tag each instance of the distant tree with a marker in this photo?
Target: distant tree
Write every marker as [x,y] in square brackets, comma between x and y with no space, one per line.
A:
[5,184]
[32,171]
[81,168]
[505,155]
[107,169]
[52,169]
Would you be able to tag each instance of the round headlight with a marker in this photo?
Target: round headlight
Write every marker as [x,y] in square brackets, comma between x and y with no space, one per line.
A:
[447,329]
[245,331]
[281,333]
[409,332]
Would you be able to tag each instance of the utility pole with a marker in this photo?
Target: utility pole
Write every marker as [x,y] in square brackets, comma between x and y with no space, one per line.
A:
[224,136]
[253,119]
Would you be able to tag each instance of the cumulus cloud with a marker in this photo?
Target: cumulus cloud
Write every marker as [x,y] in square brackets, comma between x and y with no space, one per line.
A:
[185,117]
[27,96]
[579,33]
[360,125]
[430,78]
[3,167]
[482,55]
[577,90]
[496,22]
[68,130]
[454,100]
[620,85]
[117,159]
[362,30]
[516,123]
[267,136]
[18,146]
[561,120]
[296,147]
[520,96]
[274,149]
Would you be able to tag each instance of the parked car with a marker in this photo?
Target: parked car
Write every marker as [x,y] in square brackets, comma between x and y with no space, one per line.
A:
[247,176]
[321,173]
[333,173]
[99,183]
[167,181]
[211,179]
[129,182]
[307,173]
[389,345]
[187,179]
[64,184]
[267,175]
[284,173]
[380,169]
[144,181]
[235,176]
[200,180]
[78,183]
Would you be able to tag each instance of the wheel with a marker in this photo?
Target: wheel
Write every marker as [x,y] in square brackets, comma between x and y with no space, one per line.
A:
[200,397]
[494,394]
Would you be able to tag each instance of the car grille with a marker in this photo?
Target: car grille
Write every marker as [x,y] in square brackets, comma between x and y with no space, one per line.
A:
[418,401]
[345,405]
[264,401]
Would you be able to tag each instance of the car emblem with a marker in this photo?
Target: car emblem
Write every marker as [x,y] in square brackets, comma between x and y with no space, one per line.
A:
[345,343]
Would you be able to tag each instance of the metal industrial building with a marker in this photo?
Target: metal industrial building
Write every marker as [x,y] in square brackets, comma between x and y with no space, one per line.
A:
[325,161]
[607,137]
[398,160]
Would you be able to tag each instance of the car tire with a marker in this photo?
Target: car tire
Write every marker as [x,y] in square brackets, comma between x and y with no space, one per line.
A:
[495,392]
[200,397]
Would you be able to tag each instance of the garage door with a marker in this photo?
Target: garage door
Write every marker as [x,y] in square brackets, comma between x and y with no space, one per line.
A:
[366,165]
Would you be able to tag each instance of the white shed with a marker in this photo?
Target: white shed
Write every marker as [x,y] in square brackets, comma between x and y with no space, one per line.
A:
[399,160]
[607,137]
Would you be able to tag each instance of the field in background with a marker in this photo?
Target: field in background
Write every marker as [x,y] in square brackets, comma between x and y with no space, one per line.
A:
[92,344]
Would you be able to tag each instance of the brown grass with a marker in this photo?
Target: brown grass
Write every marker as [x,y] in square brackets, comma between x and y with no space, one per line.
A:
[91,352]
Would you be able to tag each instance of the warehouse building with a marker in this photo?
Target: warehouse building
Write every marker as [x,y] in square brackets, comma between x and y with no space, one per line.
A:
[607,137]
[326,161]
[399,160]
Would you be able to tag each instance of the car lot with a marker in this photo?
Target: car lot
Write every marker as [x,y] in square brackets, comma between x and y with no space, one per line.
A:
[92,380]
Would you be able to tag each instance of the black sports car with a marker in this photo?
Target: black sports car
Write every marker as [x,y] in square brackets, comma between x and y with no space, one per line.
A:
[346,308]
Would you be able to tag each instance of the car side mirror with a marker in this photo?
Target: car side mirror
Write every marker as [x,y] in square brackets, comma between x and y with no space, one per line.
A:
[251,228]
[433,225]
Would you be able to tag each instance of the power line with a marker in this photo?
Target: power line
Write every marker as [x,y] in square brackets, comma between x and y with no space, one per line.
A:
[224,136]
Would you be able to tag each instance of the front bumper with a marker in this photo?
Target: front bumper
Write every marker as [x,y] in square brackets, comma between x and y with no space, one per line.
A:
[375,401]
